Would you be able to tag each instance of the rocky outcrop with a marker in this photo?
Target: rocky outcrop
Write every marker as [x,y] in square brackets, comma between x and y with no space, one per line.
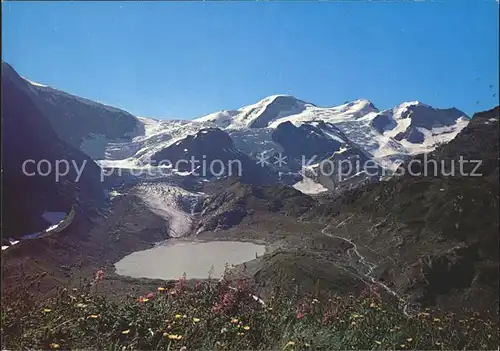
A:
[228,207]
[211,154]
[347,168]
[308,140]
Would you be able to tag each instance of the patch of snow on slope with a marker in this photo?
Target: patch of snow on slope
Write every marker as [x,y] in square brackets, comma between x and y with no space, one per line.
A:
[35,83]
[56,219]
[309,186]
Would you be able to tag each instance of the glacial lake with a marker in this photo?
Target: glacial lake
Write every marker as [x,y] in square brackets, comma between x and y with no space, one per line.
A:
[195,259]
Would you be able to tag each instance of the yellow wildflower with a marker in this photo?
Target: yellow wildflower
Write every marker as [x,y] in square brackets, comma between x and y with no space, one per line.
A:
[246,327]
[402,346]
[46,310]
[173,336]
[161,288]
[234,320]
[437,320]
[93,316]
[196,320]
[54,346]
[409,339]
[378,342]
[81,305]
[177,316]
[125,332]
[373,305]
[241,334]
[290,343]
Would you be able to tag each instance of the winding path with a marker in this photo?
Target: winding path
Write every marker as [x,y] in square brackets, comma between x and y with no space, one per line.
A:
[405,305]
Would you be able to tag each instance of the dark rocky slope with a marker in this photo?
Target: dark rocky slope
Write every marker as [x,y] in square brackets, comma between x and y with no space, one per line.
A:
[28,135]
[435,238]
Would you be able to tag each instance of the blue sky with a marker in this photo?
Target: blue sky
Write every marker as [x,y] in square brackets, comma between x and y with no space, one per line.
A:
[187,59]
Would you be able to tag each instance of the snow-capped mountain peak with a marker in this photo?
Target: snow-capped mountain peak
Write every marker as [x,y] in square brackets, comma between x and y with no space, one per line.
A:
[257,115]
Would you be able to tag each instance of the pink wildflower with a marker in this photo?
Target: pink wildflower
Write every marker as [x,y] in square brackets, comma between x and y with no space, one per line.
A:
[198,285]
[99,275]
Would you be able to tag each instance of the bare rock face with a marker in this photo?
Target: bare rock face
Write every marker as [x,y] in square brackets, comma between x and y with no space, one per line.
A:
[308,140]
[210,153]
[227,208]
